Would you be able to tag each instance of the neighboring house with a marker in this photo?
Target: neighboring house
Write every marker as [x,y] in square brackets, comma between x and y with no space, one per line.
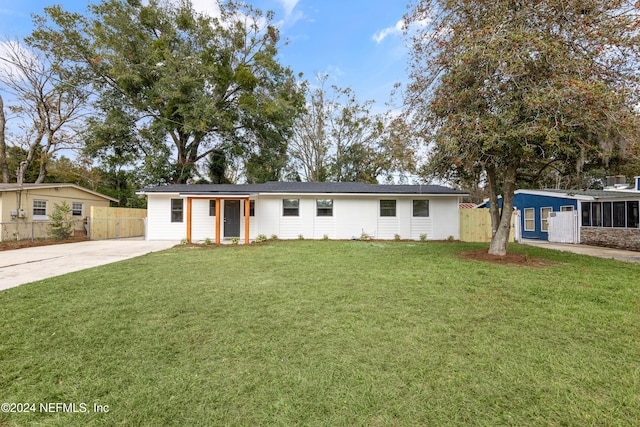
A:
[25,209]
[607,217]
[291,210]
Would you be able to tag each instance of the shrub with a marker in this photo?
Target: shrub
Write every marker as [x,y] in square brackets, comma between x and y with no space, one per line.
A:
[325,237]
[396,237]
[61,222]
[261,238]
[364,236]
[423,237]
[208,241]
[274,237]
[300,236]
[235,240]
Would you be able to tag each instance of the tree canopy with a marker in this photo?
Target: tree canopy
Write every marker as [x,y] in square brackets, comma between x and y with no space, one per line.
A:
[501,89]
[175,85]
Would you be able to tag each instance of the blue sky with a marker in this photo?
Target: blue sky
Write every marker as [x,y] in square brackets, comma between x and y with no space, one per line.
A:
[357,42]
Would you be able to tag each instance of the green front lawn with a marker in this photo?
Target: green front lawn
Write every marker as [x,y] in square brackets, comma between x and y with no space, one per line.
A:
[326,333]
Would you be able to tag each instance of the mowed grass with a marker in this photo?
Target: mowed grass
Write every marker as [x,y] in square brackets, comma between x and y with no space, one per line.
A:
[327,333]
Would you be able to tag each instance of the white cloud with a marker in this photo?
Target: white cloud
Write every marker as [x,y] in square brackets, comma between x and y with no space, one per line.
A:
[379,36]
[207,7]
[288,6]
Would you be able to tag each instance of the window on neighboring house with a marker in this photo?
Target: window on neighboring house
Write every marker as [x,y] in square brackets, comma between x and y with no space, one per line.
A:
[544,218]
[387,208]
[619,211]
[324,207]
[76,209]
[290,207]
[529,220]
[212,208]
[632,214]
[39,208]
[566,208]
[252,208]
[586,214]
[596,214]
[421,208]
[606,214]
[176,210]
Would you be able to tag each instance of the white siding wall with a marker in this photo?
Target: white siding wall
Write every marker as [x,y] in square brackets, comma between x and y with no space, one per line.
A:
[351,217]
[445,216]
[159,225]
[203,226]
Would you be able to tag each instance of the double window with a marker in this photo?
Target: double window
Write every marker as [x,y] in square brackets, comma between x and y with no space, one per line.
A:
[324,207]
[177,210]
[610,214]
[290,207]
[387,208]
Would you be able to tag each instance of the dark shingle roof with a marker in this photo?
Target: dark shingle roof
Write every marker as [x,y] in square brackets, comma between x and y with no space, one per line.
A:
[596,194]
[304,187]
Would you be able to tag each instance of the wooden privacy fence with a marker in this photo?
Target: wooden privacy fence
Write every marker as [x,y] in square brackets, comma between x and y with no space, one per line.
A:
[115,223]
[475,225]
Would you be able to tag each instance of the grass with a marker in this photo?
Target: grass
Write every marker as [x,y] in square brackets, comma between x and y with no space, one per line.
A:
[327,333]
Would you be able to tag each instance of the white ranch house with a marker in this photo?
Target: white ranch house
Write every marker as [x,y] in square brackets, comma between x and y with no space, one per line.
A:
[290,210]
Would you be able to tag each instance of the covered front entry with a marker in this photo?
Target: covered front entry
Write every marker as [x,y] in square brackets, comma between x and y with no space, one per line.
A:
[227,207]
[231,218]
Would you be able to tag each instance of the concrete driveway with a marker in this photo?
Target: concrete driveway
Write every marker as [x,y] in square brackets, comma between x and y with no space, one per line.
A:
[26,265]
[597,251]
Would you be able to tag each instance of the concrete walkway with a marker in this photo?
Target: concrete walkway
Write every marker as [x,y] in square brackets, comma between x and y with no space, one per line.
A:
[26,265]
[597,251]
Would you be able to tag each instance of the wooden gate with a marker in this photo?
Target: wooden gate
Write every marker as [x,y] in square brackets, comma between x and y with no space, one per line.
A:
[475,225]
[115,223]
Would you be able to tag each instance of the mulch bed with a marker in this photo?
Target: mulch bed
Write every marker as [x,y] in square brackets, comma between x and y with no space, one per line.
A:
[508,259]
[19,244]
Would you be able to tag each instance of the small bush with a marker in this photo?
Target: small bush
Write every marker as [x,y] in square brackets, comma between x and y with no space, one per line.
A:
[208,241]
[183,241]
[396,237]
[261,238]
[423,237]
[325,237]
[300,236]
[61,222]
[364,236]
[235,240]
[274,237]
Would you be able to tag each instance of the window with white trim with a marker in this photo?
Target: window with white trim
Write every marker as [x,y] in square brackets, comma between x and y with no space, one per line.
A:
[529,219]
[324,207]
[76,209]
[212,208]
[544,218]
[387,208]
[566,208]
[177,210]
[421,208]
[39,208]
[290,207]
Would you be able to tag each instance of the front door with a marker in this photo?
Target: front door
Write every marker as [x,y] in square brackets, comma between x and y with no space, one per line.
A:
[231,218]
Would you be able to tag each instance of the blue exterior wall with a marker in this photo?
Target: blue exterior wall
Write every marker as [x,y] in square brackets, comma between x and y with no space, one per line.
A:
[537,202]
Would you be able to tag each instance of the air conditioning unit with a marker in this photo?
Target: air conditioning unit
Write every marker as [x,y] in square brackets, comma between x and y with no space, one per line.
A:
[22,213]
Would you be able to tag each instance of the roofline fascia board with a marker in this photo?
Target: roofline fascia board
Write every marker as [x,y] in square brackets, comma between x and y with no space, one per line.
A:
[281,194]
[61,185]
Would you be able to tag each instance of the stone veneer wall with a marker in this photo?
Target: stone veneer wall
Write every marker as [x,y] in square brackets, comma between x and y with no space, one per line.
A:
[621,238]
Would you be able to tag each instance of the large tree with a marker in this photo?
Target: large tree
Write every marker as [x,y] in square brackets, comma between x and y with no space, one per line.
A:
[501,87]
[46,103]
[339,138]
[175,84]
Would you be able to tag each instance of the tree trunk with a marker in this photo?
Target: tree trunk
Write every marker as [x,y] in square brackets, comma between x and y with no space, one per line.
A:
[501,218]
[4,167]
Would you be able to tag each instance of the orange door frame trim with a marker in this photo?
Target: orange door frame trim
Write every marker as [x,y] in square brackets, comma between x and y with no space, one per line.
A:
[247,210]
